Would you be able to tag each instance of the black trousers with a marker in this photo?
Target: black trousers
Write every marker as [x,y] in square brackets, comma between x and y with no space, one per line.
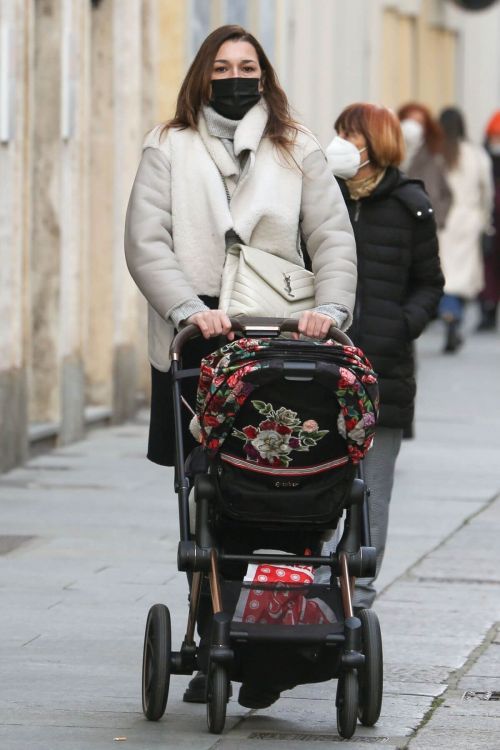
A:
[161,444]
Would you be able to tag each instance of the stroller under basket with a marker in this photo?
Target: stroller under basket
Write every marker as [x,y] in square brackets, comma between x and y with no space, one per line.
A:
[282,425]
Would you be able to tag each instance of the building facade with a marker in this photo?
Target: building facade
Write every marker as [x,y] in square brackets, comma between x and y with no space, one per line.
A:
[81,81]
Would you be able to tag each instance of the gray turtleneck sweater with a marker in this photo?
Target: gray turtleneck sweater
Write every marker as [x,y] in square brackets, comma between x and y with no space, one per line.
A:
[224,128]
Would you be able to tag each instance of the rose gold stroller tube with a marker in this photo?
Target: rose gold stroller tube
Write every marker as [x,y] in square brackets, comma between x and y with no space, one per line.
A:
[346,585]
[193,607]
[215,583]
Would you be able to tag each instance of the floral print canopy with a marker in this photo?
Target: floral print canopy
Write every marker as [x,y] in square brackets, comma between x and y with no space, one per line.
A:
[230,375]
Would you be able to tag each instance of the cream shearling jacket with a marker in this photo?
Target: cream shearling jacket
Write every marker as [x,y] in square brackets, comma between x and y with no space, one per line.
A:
[471,184]
[178,216]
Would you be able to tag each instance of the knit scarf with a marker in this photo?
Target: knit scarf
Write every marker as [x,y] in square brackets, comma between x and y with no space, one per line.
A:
[219,125]
[223,128]
[363,187]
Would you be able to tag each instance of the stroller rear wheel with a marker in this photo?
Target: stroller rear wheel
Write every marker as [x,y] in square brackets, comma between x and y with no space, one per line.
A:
[347,703]
[371,674]
[217,698]
[156,662]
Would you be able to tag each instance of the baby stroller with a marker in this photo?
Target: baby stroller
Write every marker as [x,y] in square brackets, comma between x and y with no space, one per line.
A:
[283,424]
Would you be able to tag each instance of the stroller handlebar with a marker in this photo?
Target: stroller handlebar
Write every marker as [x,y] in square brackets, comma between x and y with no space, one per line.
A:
[254,328]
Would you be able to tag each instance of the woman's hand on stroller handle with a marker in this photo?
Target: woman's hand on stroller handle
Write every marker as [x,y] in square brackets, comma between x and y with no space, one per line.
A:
[252,327]
[315,325]
[212,323]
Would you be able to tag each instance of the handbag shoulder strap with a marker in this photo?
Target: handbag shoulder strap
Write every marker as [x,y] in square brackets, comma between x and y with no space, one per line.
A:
[231,236]
[228,196]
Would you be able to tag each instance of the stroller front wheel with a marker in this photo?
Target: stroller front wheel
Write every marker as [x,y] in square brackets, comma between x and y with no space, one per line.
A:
[156,662]
[347,703]
[217,698]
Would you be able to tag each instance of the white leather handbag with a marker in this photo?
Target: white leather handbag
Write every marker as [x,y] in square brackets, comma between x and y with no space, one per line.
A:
[257,283]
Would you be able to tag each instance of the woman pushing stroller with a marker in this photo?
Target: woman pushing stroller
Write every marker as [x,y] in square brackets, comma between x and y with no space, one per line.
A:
[231,166]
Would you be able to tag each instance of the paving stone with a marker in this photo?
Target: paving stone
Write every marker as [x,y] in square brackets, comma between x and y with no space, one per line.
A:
[461,733]
[488,664]
[140,734]
[480,682]
[466,719]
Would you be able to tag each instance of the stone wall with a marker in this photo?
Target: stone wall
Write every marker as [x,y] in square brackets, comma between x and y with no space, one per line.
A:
[14,226]
[81,94]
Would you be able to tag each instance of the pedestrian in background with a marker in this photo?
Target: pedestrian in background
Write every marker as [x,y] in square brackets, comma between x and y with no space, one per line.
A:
[490,296]
[423,160]
[399,286]
[469,175]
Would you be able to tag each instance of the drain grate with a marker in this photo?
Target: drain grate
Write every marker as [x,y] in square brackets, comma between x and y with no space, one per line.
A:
[10,543]
[481,695]
[303,737]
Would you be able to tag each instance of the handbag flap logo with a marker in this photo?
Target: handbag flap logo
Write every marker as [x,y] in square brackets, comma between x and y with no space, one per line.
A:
[287,279]
[288,284]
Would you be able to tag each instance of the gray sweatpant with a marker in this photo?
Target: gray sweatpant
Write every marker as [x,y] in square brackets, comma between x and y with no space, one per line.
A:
[378,465]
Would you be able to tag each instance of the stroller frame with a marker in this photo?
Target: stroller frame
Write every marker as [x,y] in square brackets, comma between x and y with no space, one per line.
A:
[359,639]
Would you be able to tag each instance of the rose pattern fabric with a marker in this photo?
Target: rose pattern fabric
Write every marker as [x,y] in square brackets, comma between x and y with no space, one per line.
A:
[277,436]
[230,375]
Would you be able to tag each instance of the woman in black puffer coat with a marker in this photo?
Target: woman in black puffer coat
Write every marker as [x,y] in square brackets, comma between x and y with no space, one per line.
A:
[399,286]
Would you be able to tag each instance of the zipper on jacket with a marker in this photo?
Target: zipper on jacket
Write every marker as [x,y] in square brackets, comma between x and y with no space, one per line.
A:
[357,210]
[356,315]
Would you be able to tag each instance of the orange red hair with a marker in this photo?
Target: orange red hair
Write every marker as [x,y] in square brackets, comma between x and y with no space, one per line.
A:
[380,128]
[493,126]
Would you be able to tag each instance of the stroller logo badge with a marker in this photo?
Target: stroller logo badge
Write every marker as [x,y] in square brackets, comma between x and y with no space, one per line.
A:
[288,284]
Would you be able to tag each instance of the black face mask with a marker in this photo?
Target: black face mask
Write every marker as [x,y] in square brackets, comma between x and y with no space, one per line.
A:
[233,97]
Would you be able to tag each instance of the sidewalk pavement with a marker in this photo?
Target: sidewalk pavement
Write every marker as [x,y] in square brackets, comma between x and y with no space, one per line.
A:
[88,542]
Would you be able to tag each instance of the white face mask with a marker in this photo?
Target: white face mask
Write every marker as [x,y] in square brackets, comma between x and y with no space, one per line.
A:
[413,133]
[344,159]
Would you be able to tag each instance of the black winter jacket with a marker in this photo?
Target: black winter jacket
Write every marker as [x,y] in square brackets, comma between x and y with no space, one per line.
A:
[399,285]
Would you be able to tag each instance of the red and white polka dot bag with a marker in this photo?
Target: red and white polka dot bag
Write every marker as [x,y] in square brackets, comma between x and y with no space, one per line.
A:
[283,598]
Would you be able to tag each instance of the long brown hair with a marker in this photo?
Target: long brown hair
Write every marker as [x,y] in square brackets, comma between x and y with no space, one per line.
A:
[380,128]
[433,134]
[281,128]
